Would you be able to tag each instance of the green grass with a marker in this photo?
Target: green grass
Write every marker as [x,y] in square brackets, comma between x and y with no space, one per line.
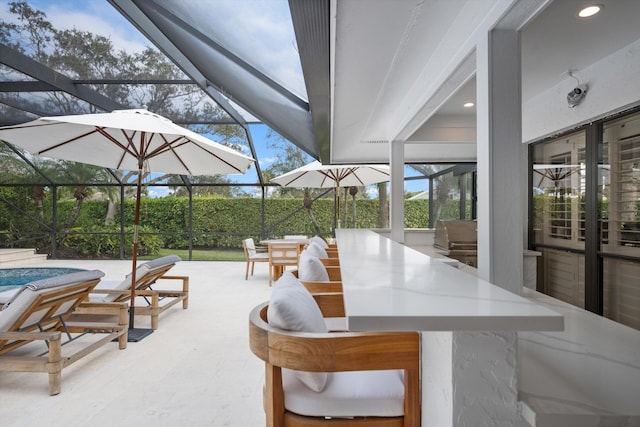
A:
[202,255]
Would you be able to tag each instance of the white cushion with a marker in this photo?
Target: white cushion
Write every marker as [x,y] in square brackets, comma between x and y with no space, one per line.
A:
[259,256]
[316,250]
[292,308]
[320,241]
[348,394]
[6,296]
[336,323]
[117,285]
[22,300]
[311,268]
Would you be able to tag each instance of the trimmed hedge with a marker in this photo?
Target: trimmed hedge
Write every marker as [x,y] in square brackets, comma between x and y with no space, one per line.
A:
[217,222]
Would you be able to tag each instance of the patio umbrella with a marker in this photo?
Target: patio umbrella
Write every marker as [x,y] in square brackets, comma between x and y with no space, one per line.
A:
[317,175]
[128,140]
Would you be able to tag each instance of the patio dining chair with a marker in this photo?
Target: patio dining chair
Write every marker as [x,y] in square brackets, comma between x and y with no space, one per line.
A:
[252,255]
[315,378]
[281,256]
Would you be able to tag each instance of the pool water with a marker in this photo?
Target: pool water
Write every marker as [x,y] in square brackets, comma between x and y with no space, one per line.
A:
[14,277]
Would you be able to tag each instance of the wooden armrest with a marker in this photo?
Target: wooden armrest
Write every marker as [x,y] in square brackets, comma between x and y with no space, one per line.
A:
[101,307]
[334,273]
[332,253]
[322,287]
[332,352]
[185,280]
[31,336]
[331,303]
[99,316]
[330,262]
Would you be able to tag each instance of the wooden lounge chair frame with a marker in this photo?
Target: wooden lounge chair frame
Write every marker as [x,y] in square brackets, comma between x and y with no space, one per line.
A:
[53,314]
[153,297]
[333,352]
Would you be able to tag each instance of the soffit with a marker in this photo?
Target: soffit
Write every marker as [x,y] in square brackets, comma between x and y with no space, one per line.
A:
[401,72]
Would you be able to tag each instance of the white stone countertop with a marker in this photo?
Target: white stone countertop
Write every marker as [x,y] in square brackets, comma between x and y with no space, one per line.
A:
[586,375]
[388,286]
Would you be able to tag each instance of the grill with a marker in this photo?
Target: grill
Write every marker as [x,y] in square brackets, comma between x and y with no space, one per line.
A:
[458,239]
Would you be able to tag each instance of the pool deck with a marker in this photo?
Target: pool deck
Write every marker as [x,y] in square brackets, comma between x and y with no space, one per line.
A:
[195,370]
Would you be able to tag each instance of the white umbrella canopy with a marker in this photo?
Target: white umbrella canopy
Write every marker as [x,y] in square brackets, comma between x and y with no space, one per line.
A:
[317,175]
[134,140]
[126,139]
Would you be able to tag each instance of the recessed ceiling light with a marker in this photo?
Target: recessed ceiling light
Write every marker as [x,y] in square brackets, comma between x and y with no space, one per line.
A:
[590,10]
[468,104]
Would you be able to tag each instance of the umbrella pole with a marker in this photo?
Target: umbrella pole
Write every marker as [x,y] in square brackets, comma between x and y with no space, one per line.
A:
[136,335]
[336,207]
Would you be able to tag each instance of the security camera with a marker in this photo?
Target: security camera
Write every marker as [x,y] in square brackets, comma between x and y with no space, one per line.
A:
[577,95]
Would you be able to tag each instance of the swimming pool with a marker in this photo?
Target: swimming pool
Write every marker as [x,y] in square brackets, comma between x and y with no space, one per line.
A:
[14,277]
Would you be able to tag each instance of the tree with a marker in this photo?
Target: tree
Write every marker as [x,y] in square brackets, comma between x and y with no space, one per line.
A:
[287,158]
[84,55]
[383,206]
[81,175]
[221,186]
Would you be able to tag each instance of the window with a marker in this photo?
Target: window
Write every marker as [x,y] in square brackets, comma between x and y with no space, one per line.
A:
[558,191]
[578,264]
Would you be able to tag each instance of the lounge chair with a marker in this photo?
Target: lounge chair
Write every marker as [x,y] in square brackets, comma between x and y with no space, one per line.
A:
[316,378]
[51,311]
[156,301]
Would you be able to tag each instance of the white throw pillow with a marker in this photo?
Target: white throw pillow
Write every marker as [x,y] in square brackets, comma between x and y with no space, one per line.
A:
[311,268]
[317,250]
[292,308]
[320,241]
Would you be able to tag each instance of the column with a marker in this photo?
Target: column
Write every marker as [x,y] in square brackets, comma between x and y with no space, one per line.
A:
[472,380]
[501,201]
[396,196]
[469,379]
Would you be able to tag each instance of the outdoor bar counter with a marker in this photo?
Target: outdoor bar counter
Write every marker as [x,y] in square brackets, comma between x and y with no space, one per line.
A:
[468,326]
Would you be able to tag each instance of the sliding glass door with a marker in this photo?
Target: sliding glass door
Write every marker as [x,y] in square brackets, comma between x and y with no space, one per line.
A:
[605,279]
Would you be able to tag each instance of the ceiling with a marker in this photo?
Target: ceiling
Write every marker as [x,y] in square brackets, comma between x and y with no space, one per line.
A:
[403,70]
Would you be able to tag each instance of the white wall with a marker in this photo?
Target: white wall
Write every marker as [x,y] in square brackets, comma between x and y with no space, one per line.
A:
[614,85]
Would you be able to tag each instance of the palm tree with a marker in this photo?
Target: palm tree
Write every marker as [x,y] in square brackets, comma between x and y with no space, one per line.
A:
[85,178]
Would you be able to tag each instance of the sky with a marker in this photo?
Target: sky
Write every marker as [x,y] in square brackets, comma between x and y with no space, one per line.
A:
[263,29]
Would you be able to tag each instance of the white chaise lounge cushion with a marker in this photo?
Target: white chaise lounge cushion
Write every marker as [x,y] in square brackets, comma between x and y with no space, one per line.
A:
[292,308]
[320,241]
[116,285]
[161,262]
[311,268]
[317,250]
[6,296]
[16,306]
[348,394]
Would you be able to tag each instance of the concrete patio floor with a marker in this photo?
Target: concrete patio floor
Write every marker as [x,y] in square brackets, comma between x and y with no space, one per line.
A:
[196,369]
